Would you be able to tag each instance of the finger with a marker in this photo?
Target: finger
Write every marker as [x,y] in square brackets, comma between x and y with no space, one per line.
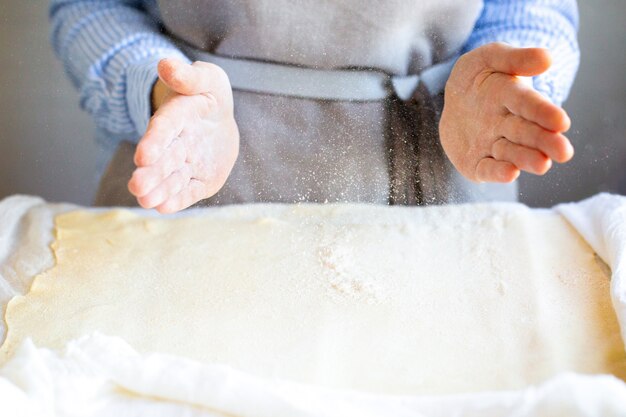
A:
[525,102]
[170,187]
[146,179]
[526,62]
[162,130]
[525,159]
[194,192]
[191,79]
[492,170]
[522,132]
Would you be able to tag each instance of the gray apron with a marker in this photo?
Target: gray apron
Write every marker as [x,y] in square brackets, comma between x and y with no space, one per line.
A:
[307,147]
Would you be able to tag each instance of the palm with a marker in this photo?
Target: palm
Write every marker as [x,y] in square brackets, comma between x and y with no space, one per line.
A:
[205,145]
[188,151]
[494,125]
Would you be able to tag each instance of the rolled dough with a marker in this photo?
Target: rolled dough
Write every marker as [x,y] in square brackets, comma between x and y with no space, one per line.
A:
[391,300]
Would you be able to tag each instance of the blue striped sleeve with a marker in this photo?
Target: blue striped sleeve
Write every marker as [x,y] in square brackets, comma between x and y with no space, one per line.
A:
[551,24]
[110,49]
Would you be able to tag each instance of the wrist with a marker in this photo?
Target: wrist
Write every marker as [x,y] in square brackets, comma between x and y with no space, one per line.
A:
[141,79]
[160,92]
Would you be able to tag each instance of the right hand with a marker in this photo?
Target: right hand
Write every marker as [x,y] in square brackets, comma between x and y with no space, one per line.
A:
[192,141]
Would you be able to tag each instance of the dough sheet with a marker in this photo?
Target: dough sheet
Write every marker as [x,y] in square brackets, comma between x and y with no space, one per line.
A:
[390,300]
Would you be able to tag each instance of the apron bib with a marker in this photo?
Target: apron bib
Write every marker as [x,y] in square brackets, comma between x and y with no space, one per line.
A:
[296,149]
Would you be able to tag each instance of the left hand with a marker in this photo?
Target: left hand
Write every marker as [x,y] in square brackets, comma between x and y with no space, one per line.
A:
[493,124]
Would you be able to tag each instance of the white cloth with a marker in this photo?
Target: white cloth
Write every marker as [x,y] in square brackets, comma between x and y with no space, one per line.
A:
[26,225]
[100,376]
[601,220]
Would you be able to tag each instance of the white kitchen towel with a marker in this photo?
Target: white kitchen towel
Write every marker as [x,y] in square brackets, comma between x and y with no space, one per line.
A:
[601,220]
[100,376]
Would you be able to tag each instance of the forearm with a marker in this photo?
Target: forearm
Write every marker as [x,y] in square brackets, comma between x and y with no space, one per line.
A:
[552,24]
[110,50]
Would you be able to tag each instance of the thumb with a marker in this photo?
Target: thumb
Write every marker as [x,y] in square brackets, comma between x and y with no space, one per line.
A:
[525,62]
[186,79]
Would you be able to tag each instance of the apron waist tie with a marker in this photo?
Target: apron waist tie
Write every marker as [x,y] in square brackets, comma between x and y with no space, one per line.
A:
[322,84]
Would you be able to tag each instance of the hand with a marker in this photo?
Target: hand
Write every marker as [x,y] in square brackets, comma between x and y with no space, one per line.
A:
[493,124]
[192,141]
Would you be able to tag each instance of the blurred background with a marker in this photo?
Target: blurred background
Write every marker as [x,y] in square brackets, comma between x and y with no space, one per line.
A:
[47,146]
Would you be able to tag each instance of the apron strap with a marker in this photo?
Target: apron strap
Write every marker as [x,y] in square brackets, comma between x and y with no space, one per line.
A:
[321,84]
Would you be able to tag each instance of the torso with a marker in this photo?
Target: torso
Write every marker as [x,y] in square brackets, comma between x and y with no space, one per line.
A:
[298,149]
[399,36]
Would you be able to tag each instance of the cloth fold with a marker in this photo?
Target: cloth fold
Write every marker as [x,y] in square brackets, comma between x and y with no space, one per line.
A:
[98,374]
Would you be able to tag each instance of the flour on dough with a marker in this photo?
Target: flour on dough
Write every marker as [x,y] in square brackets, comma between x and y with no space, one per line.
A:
[391,300]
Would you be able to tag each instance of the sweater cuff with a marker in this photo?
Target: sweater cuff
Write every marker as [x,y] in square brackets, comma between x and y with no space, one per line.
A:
[548,86]
[140,79]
